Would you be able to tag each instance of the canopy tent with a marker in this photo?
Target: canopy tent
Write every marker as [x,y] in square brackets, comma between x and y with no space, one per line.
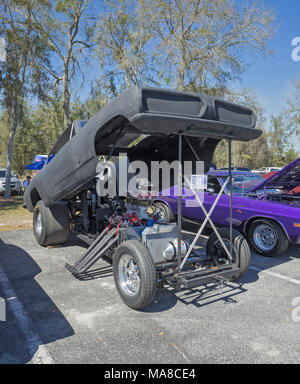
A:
[39,162]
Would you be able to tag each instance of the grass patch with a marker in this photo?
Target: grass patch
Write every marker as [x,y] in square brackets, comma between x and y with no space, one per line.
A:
[12,214]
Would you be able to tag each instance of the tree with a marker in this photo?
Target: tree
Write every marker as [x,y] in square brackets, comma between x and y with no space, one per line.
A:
[40,129]
[292,112]
[279,140]
[291,155]
[96,100]
[5,124]
[252,154]
[68,30]
[124,45]
[22,74]
[201,43]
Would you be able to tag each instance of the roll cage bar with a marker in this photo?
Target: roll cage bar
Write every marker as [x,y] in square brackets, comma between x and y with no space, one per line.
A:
[181,262]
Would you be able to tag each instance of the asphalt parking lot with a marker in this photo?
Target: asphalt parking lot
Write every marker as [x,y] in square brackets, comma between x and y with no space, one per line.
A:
[53,317]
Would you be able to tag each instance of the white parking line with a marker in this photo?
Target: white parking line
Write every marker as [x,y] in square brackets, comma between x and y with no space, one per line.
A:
[34,344]
[294,281]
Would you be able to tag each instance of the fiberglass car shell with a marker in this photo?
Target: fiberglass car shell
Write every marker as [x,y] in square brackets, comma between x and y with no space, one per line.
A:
[158,114]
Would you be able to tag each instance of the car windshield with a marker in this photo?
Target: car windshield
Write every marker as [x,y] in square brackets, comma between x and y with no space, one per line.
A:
[3,174]
[242,184]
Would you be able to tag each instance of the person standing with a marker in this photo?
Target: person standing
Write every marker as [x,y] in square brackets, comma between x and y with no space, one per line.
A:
[26,182]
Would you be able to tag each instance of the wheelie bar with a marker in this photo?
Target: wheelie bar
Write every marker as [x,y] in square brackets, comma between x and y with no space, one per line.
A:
[203,279]
[96,250]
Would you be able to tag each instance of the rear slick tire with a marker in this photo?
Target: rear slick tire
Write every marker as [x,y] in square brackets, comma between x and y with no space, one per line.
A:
[51,225]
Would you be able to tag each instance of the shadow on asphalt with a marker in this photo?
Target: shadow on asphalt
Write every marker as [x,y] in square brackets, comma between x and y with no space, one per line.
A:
[77,239]
[199,297]
[208,295]
[98,273]
[48,321]
[264,263]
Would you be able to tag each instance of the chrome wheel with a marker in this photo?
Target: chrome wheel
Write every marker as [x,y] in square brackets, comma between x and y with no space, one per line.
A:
[161,213]
[265,237]
[129,275]
[39,224]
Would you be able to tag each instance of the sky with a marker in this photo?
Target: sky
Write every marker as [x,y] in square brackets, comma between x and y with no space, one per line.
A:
[271,77]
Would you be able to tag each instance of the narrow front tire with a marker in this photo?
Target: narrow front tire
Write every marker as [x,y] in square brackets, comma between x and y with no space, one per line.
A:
[241,255]
[134,274]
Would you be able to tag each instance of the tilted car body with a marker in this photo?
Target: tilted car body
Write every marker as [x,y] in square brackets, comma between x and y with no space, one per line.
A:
[159,114]
[264,210]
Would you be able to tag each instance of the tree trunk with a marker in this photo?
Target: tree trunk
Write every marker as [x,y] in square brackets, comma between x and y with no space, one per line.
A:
[181,72]
[66,105]
[10,150]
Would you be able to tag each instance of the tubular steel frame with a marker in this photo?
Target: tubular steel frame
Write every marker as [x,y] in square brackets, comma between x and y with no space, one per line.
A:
[106,239]
[181,262]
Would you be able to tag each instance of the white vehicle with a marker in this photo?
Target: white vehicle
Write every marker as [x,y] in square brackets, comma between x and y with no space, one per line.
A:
[266,170]
[13,181]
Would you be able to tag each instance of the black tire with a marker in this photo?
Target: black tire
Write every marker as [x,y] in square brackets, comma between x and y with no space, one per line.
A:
[51,225]
[146,290]
[281,242]
[241,250]
[166,211]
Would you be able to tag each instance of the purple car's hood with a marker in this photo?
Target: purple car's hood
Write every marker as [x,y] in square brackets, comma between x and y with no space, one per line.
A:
[287,178]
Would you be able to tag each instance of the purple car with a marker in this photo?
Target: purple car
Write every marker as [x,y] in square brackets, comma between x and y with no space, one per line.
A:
[266,211]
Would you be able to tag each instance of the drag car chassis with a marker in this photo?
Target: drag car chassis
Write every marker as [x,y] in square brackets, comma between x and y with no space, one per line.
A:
[145,257]
[145,123]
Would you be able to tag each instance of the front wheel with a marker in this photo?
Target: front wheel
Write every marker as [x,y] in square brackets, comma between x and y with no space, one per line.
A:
[267,238]
[241,255]
[134,274]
